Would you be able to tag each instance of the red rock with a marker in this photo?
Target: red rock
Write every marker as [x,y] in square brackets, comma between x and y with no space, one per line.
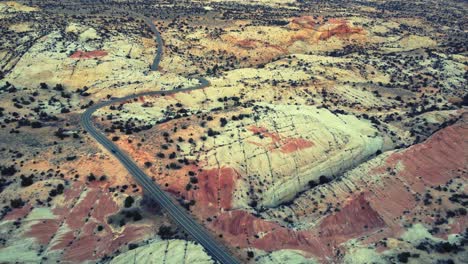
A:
[88,54]
[298,37]
[390,199]
[438,159]
[90,246]
[275,137]
[61,241]
[215,191]
[81,210]
[379,201]
[353,220]
[253,44]
[105,206]
[240,227]
[336,21]
[285,145]
[18,213]
[380,206]
[342,29]
[458,225]
[247,43]
[75,235]
[277,47]
[44,230]
[294,144]
[81,249]
[304,21]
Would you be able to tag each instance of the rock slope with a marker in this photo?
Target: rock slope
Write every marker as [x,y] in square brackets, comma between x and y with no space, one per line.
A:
[162,252]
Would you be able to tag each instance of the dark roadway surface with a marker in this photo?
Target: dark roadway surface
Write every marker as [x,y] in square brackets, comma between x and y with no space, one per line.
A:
[178,214]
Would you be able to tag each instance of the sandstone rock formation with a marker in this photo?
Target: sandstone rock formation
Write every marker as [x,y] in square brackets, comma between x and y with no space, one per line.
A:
[167,251]
[332,132]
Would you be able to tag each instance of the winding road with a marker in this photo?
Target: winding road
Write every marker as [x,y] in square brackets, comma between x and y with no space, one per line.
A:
[178,214]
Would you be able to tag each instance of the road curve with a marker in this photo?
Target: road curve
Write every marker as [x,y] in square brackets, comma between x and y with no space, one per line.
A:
[178,214]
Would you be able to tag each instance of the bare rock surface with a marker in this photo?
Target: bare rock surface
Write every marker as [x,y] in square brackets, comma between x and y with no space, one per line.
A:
[167,251]
[327,131]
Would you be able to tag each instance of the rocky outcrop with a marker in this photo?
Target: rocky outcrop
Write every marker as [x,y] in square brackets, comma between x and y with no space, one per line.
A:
[319,143]
[322,220]
[341,29]
[390,192]
[165,252]
[273,143]
[314,141]
[77,228]
[354,219]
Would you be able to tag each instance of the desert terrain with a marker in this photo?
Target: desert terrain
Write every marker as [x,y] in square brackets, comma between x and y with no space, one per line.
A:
[317,131]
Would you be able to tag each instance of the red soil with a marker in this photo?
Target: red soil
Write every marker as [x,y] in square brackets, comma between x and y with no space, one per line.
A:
[88,54]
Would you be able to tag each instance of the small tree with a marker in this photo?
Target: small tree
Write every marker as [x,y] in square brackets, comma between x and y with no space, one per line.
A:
[223,121]
[91,177]
[17,203]
[165,232]
[44,86]
[323,179]
[128,202]
[26,181]
[8,171]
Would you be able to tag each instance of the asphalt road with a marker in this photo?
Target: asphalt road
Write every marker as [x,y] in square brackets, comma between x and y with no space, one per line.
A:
[178,214]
